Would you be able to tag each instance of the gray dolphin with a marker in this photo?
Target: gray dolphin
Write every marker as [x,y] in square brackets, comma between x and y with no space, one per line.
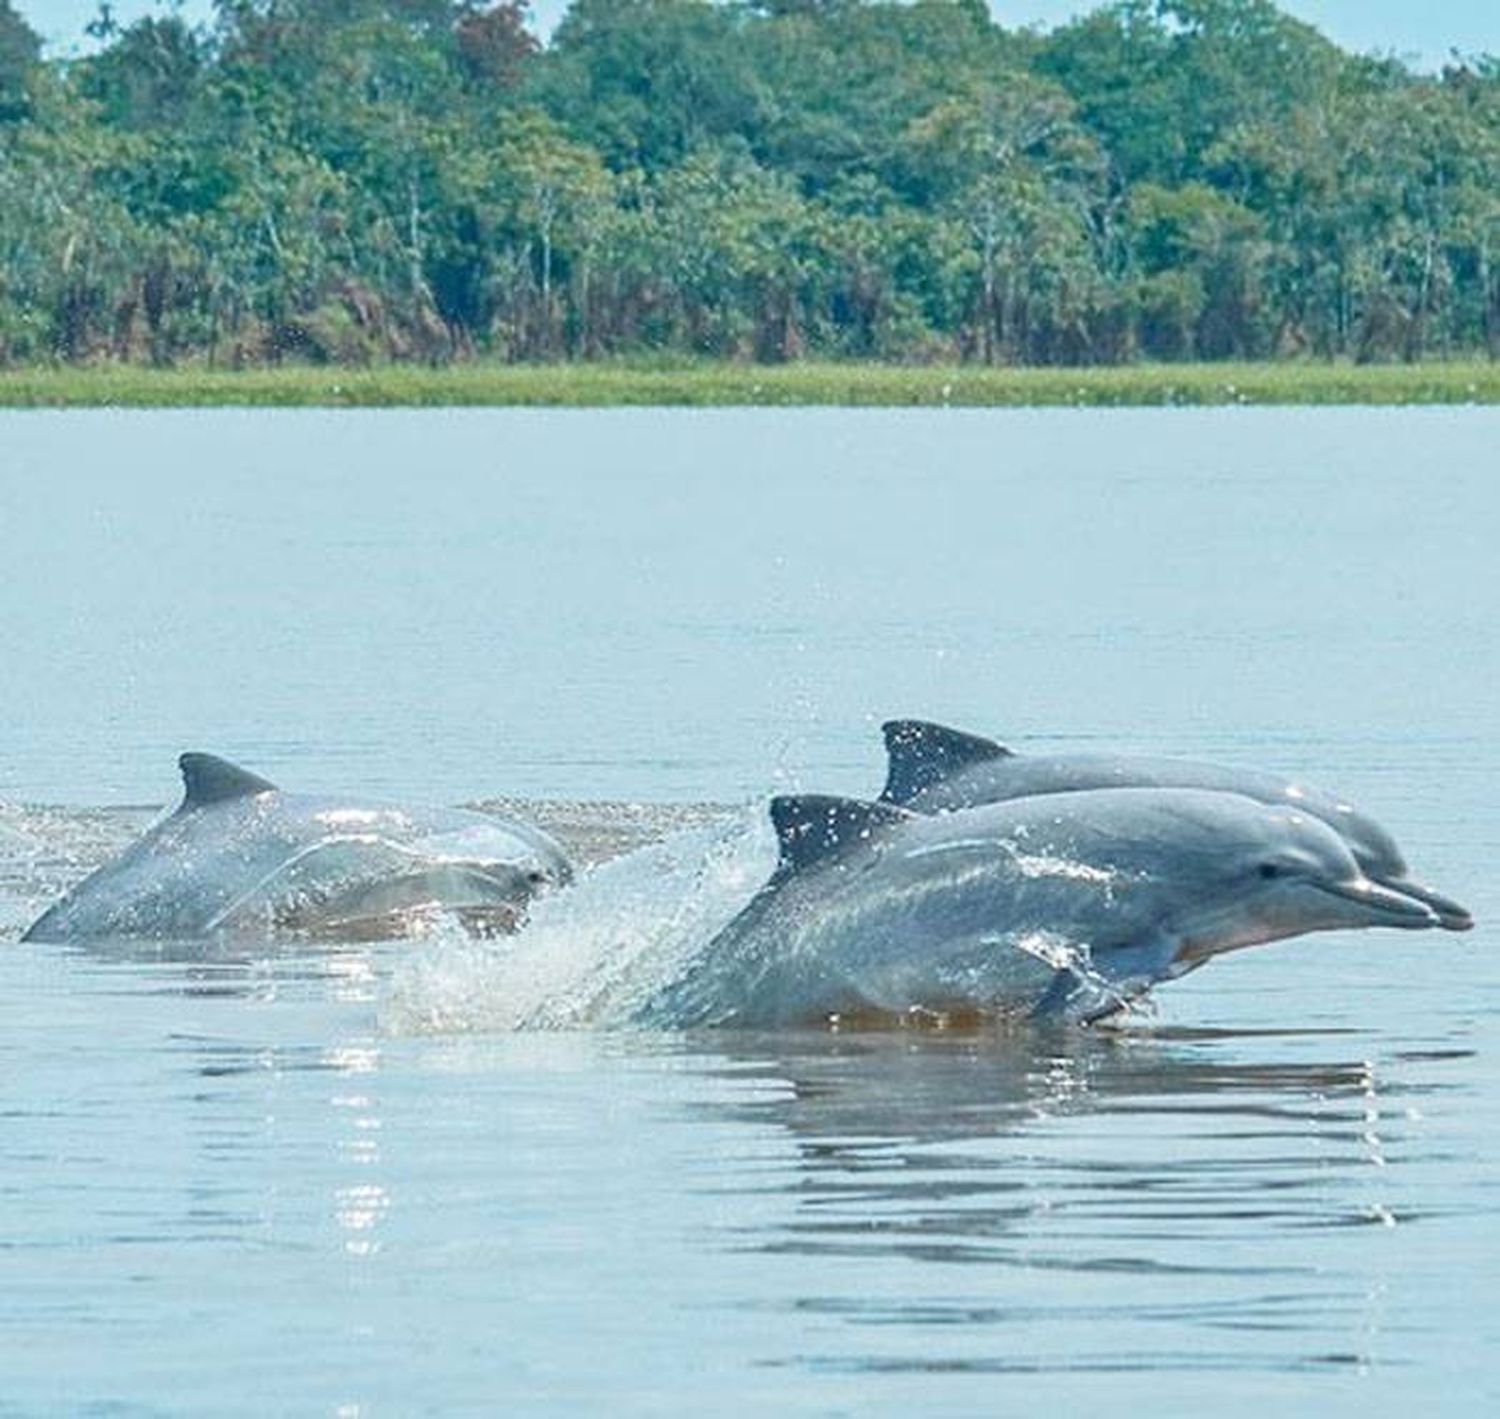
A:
[241,858]
[1065,906]
[934,769]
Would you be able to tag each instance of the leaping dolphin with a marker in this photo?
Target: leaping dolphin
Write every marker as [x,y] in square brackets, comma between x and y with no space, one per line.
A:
[1065,906]
[935,769]
[241,858]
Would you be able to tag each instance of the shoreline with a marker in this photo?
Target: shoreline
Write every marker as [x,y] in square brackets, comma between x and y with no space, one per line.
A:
[710,384]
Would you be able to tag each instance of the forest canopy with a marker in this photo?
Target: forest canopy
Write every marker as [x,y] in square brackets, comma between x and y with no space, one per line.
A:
[350,181]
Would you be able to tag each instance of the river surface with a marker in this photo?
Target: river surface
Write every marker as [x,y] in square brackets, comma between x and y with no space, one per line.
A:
[404,1178]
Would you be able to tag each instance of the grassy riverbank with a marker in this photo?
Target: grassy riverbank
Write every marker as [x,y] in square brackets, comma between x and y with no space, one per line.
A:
[724,383]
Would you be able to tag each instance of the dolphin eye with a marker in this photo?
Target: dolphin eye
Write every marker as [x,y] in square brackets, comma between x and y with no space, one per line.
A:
[1268,870]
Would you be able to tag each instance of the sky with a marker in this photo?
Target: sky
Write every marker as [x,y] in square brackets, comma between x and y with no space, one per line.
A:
[1423,33]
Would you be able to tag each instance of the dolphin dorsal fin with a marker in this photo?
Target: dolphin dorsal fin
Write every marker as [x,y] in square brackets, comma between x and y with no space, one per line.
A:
[921,754]
[813,827]
[208,779]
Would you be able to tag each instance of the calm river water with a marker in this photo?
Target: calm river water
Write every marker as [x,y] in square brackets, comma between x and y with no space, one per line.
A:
[342,1183]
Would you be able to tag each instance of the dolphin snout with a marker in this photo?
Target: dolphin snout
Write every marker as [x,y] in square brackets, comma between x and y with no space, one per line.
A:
[1451,916]
[1385,905]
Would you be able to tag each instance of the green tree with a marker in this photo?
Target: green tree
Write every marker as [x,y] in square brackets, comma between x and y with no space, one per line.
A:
[20,49]
[149,76]
[646,82]
[350,180]
[1161,81]
[1023,178]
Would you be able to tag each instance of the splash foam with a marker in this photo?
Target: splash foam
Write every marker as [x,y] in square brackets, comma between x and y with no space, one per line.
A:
[591,955]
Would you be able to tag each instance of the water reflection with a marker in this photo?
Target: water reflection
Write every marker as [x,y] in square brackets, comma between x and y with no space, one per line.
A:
[844,1095]
[329,1139]
[1142,1194]
[348,974]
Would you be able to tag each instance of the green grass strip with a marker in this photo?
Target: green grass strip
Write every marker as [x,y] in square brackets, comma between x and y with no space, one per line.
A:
[705,384]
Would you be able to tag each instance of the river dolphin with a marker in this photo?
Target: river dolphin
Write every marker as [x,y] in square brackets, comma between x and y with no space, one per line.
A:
[1065,906]
[934,769]
[240,858]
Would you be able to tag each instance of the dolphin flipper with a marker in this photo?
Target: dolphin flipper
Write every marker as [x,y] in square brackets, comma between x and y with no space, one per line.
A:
[1080,994]
[921,754]
[1077,999]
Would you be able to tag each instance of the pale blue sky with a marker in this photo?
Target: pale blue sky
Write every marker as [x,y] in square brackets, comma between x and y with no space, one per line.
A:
[1425,32]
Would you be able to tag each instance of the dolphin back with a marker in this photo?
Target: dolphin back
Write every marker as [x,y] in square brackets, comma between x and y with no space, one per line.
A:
[932,768]
[240,857]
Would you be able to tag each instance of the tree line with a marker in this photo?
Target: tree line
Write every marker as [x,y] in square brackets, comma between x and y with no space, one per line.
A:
[348,181]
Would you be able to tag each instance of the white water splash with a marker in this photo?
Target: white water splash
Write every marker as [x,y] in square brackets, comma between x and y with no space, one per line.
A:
[1028,864]
[1059,952]
[1036,865]
[590,955]
[46,851]
[13,840]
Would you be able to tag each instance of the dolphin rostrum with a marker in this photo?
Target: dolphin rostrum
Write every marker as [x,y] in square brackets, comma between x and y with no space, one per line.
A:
[1065,906]
[241,858]
[935,769]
